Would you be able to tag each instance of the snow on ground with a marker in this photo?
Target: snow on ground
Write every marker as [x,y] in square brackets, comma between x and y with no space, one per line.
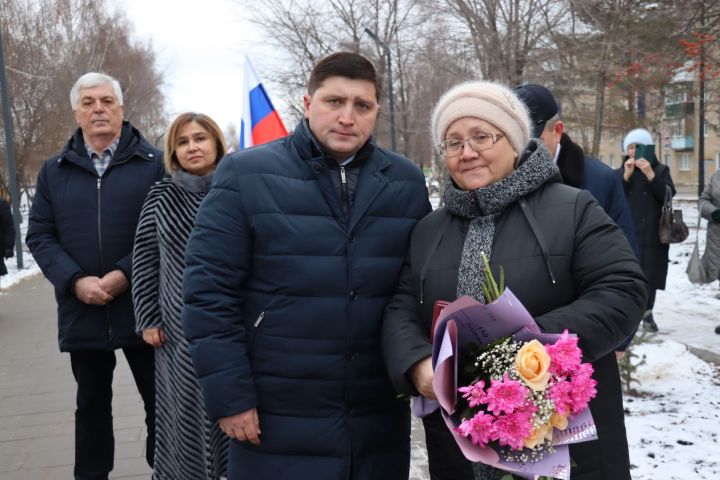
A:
[674,426]
[674,423]
[30,267]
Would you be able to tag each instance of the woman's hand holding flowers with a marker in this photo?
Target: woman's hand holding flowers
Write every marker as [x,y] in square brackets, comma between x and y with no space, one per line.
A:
[421,374]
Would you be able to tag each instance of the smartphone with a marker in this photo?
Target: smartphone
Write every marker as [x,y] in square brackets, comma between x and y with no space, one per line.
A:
[645,151]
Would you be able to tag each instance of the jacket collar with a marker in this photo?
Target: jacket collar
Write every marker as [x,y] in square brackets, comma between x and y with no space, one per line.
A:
[310,148]
[571,162]
[131,144]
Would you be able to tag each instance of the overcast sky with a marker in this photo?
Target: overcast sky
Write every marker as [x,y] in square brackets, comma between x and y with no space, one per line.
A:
[200,44]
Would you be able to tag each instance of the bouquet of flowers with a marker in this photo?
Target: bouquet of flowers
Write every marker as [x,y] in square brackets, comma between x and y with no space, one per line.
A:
[514,398]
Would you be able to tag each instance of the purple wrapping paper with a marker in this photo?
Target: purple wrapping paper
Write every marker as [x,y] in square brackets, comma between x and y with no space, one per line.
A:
[467,321]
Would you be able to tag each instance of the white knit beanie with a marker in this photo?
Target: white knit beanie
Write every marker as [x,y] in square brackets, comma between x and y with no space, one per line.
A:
[639,136]
[487,101]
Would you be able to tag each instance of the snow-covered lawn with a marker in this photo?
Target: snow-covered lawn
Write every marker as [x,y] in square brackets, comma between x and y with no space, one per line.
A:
[674,426]
[30,267]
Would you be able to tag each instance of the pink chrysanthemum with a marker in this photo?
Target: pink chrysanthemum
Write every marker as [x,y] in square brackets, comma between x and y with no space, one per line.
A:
[583,387]
[474,394]
[480,429]
[512,429]
[560,392]
[506,395]
[565,356]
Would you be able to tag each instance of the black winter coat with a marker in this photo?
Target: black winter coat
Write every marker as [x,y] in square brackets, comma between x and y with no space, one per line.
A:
[582,171]
[83,224]
[284,294]
[7,234]
[599,294]
[646,201]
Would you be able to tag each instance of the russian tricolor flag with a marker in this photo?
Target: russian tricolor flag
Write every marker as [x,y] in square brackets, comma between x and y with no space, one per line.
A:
[260,122]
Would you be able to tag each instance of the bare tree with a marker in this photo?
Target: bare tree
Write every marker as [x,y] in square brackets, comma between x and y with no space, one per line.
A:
[48,45]
[305,31]
[506,34]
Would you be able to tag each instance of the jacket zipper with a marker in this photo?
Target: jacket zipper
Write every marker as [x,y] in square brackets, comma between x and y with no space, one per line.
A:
[259,319]
[251,340]
[344,192]
[100,244]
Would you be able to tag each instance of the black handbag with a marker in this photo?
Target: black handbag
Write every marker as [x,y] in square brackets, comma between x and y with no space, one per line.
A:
[672,229]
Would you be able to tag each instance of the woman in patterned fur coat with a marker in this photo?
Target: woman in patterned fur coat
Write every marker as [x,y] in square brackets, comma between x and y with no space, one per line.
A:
[188,445]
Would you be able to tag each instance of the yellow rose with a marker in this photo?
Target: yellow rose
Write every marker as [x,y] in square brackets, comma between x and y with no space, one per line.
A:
[559,421]
[532,363]
[538,436]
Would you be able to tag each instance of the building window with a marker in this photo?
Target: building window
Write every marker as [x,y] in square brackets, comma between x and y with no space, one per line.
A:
[706,128]
[612,160]
[717,160]
[677,95]
[667,159]
[677,127]
[685,162]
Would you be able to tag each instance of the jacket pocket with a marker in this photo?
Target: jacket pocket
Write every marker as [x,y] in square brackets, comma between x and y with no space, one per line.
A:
[254,332]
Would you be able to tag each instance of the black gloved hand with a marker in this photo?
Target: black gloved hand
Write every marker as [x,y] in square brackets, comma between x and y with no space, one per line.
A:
[716,215]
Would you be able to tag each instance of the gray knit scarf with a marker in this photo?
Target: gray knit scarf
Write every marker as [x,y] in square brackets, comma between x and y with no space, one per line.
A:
[192,183]
[484,205]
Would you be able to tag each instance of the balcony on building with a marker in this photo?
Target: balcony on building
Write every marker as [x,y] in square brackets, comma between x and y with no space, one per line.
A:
[683,143]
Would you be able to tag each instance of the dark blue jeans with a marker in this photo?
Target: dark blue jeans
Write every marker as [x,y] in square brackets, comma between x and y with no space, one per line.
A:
[94,439]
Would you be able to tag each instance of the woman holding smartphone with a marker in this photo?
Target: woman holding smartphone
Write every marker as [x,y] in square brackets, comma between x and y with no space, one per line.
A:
[645,180]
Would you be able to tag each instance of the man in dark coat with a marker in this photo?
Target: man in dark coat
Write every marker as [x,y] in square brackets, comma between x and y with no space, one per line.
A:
[296,250]
[7,234]
[577,169]
[81,233]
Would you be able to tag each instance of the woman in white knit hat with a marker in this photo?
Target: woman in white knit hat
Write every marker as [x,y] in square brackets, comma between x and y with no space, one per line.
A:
[566,261]
[645,181]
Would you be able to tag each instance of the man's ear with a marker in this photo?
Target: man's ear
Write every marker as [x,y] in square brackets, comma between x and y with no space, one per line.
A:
[559,128]
[307,99]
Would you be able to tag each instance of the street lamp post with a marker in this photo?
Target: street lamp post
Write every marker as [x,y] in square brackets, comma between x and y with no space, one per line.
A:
[7,124]
[701,113]
[391,100]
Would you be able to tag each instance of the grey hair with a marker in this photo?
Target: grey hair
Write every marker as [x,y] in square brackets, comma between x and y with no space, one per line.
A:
[94,79]
[550,123]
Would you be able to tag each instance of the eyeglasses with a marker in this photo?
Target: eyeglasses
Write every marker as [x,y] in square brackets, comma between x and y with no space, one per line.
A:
[478,142]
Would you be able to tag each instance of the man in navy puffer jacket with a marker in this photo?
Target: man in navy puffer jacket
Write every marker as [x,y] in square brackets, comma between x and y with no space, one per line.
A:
[295,252]
[81,232]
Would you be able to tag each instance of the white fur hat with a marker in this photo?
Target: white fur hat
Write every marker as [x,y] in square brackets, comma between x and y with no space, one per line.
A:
[488,101]
[639,136]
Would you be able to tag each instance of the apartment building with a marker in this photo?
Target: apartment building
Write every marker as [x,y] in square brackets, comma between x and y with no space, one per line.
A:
[671,116]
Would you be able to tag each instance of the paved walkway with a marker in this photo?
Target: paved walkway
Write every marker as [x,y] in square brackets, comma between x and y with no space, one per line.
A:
[37,397]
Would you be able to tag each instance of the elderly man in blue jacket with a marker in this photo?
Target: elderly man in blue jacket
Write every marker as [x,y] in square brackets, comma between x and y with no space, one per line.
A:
[577,169]
[296,250]
[81,232]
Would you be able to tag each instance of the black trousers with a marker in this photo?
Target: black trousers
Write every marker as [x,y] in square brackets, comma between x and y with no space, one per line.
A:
[651,298]
[445,460]
[94,439]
